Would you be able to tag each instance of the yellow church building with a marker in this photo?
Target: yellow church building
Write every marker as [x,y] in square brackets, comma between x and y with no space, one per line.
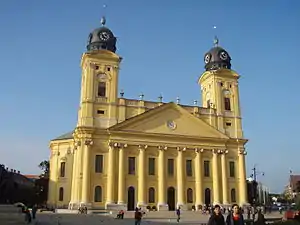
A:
[125,153]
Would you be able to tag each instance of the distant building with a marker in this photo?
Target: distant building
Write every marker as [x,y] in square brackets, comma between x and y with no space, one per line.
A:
[14,187]
[295,183]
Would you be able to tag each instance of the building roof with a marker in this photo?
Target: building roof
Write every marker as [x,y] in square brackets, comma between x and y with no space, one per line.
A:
[32,176]
[65,136]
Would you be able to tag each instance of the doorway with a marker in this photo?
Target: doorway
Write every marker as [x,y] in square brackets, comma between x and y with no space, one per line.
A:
[207,197]
[131,199]
[171,198]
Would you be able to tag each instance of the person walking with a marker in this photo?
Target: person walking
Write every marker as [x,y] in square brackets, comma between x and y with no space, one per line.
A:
[178,214]
[216,217]
[235,217]
[137,216]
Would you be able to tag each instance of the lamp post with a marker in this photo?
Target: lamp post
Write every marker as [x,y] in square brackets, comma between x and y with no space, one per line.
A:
[254,175]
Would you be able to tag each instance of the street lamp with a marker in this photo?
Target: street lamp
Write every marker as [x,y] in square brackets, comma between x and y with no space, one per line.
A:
[254,175]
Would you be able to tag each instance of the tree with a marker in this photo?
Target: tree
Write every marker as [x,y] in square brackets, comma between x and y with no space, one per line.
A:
[45,167]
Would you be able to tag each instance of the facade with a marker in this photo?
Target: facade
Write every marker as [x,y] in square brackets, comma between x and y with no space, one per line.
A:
[125,153]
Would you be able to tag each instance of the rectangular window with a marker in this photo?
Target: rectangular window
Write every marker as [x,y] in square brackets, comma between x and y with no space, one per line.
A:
[99,164]
[228,124]
[231,169]
[131,165]
[206,168]
[227,104]
[101,112]
[101,89]
[171,167]
[188,168]
[151,166]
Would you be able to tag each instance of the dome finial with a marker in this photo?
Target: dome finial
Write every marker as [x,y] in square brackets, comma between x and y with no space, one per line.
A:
[103,19]
[216,39]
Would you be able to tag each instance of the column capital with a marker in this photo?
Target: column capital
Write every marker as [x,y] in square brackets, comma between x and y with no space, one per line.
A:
[199,150]
[216,151]
[77,143]
[242,152]
[142,147]
[224,151]
[88,142]
[181,149]
[162,148]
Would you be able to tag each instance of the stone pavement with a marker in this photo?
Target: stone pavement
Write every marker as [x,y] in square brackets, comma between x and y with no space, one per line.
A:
[151,218]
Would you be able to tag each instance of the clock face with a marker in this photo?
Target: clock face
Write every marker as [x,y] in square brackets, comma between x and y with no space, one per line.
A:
[171,124]
[223,56]
[207,58]
[104,36]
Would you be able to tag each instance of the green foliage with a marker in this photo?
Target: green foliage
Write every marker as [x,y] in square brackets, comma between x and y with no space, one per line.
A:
[45,167]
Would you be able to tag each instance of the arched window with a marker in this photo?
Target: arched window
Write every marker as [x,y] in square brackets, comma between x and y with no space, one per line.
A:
[62,169]
[151,194]
[227,103]
[98,194]
[61,194]
[102,89]
[189,195]
[233,195]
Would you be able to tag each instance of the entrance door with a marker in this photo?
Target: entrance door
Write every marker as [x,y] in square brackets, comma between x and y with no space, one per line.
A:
[130,199]
[171,198]
[207,197]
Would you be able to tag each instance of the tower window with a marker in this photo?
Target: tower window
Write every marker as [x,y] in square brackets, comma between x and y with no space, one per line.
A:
[101,112]
[227,104]
[221,84]
[228,124]
[108,68]
[101,89]
[97,67]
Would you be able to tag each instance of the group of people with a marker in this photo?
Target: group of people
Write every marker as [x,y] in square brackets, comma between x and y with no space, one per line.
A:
[235,217]
[29,214]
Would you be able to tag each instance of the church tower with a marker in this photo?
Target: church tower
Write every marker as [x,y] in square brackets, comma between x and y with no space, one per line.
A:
[220,91]
[99,84]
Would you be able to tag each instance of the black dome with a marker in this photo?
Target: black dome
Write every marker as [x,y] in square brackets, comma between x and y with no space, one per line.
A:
[102,38]
[217,58]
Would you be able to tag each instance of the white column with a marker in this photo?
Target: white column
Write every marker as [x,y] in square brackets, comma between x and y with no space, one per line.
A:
[110,189]
[180,179]
[142,189]
[198,178]
[162,205]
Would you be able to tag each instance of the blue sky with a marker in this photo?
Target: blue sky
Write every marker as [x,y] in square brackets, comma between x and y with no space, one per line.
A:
[162,43]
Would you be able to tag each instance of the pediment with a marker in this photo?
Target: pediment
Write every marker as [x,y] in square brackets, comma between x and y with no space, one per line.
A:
[170,119]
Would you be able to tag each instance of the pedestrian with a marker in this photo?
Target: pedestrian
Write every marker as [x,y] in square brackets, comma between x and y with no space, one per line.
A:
[33,211]
[178,214]
[216,217]
[235,217]
[137,216]
[260,218]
